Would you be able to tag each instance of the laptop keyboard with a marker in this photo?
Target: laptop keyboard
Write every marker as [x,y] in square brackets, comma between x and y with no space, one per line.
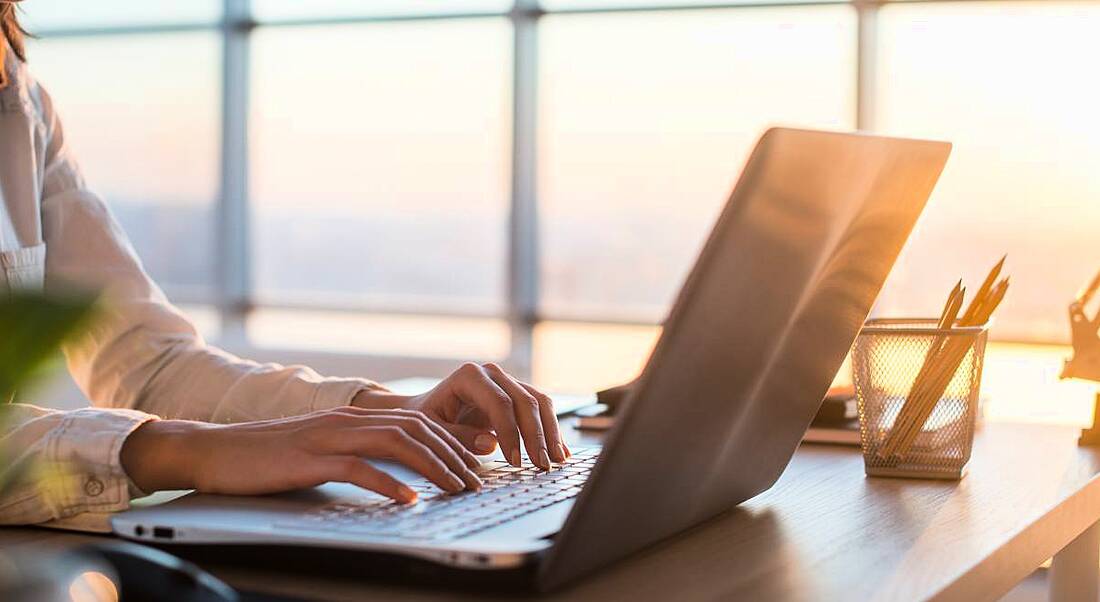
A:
[507,493]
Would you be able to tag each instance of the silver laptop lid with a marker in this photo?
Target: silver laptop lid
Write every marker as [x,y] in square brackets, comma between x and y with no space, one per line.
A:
[760,328]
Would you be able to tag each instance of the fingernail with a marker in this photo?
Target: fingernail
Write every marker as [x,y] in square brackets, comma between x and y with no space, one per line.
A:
[407,494]
[456,483]
[544,459]
[561,452]
[516,460]
[485,443]
[476,481]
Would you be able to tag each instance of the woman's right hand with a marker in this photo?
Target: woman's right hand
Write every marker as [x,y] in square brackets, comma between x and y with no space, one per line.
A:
[271,456]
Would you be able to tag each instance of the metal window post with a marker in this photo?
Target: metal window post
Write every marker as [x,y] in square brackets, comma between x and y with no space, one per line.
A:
[232,266]
[523,262]
[866,62]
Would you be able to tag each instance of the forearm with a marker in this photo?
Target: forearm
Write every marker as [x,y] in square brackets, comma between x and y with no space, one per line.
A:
[147,357]
[193,381]
[174,454]
[271,456]
[423,432]
[163,455]
[380,398]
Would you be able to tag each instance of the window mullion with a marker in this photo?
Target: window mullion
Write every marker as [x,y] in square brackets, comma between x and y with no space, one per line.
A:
[523,272]
[233,269]
[866,62]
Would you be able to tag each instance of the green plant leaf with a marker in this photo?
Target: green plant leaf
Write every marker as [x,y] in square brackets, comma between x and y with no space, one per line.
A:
[32,328]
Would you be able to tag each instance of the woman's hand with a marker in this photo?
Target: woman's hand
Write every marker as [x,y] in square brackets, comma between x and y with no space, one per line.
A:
[279,455]
[482,405]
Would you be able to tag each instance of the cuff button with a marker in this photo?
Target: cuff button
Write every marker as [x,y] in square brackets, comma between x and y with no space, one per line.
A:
[93,487]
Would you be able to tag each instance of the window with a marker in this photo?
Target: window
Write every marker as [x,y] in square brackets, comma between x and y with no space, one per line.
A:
[145,142]
[646,120]
[529,181]
[382,181]
[1023,177]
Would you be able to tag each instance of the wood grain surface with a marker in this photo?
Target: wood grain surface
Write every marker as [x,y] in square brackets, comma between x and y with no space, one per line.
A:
[826,532]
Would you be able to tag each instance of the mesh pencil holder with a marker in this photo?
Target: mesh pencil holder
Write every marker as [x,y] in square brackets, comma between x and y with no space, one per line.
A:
[933,435]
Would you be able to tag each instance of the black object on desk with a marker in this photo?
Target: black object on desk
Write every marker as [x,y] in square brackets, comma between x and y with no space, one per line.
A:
[837,420]
[601,416]
[145,573]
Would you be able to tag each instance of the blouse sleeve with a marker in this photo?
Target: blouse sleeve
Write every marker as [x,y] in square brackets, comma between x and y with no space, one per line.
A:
[63,463]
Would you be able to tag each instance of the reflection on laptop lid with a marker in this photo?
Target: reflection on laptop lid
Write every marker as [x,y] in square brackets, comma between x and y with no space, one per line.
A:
[760,328]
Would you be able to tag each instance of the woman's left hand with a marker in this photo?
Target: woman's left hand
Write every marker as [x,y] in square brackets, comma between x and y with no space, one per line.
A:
[482,405]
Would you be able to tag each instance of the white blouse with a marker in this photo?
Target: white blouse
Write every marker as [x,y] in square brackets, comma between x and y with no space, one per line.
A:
[143,359]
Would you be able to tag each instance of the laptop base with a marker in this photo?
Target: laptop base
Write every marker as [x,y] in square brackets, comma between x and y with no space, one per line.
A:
[357,566]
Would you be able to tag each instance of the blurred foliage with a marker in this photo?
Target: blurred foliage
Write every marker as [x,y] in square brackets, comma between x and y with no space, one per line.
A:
[32,328]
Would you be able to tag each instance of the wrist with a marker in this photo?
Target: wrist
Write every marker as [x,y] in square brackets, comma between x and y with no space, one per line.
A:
[382,399]
[164,455]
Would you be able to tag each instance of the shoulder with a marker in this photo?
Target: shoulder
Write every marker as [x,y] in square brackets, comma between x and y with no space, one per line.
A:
[26,100]
[23,94]
[14,96]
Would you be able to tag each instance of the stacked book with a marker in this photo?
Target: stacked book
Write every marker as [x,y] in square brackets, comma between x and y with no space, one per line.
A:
[837,422]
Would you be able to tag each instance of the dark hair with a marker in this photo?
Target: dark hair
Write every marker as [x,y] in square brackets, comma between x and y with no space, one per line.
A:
[12,31]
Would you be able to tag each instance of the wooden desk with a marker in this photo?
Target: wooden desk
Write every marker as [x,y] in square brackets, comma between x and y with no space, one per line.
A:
[827,532]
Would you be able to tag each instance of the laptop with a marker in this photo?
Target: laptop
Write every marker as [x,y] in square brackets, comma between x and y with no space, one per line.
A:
[759,329]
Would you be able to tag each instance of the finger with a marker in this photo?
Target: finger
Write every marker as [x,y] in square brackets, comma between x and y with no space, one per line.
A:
[424,433]
[354,470]
[446,437]
[472,385]
[526,408]
[392,442]
[422,459]
[478,439]
[549,419]
[463,453]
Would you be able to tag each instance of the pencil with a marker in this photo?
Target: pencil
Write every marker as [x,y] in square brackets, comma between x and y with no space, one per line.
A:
[936,381]
[983,290]
[905,414]
[909,415]
[942,362]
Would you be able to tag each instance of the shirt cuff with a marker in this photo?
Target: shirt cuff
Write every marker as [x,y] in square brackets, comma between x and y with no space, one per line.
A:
[339,392]
[82,469]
